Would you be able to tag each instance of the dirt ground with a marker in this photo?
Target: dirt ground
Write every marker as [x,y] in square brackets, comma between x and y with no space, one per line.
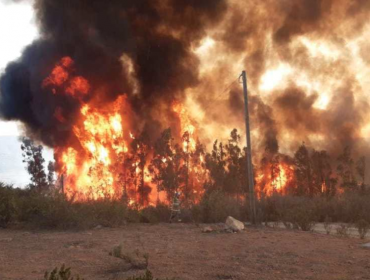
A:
[184,252]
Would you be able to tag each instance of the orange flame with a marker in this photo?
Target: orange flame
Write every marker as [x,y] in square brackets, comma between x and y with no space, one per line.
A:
[98,165]
[187,126]
[274,178]
[90,174]
[62,76]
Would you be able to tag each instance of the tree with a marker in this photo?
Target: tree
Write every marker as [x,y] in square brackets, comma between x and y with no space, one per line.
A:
[227,167]
[361,168]
[186,155]
[345,169]
[303,170]
[162,153]
[216,165]
[32,156]
[140,150]
[236,165]
[323,179]
[51,174]
[198,172]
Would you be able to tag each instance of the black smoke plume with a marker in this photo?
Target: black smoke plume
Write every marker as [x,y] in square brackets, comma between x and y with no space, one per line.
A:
[156,35]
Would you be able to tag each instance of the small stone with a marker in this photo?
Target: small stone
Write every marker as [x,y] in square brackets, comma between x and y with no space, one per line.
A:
[207,230]
[366,245]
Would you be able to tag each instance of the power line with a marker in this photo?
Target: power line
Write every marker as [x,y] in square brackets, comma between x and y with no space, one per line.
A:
[223,92]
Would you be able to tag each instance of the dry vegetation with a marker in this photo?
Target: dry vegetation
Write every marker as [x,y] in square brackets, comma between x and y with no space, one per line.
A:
[29,209]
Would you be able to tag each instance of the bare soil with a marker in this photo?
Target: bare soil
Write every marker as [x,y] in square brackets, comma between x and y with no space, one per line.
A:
[184,252]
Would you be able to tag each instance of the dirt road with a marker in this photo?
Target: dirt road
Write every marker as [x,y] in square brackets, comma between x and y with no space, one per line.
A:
[182,251]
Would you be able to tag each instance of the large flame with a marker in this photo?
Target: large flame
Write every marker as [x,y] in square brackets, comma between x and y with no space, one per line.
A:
[274,178]
[99,165]
[91,170]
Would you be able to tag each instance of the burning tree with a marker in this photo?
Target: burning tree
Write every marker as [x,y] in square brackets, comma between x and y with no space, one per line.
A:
[303,170]
[323,179]
[226,165]
[140,149]
[161,156]
[126,68]
[345,169]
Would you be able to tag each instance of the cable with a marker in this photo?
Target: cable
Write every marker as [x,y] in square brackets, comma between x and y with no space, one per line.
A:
[223,92]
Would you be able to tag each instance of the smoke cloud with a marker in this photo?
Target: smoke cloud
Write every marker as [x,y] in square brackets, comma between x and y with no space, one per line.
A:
[307,63]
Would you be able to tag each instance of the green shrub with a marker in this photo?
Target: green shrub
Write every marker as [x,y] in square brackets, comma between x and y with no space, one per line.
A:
[147,276]
[23,207]
[295,212]
[217,206]
[7,205]
[61,274]
[108,213]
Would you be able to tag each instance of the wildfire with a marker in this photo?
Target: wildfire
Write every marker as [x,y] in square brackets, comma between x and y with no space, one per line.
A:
[274,178]
[187,127]
[100,165]
[62,77]
[101,136]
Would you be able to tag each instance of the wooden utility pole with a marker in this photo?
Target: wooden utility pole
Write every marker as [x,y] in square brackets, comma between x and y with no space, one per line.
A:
[62,183]
[252,200]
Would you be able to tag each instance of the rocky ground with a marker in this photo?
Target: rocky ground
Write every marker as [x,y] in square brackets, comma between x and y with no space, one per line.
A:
[184,252]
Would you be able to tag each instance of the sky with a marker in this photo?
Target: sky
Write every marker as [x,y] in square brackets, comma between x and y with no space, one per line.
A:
[17,30]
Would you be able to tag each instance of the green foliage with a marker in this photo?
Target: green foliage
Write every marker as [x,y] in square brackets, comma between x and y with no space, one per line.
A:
[227,166]
[51,174]
[297,211]
[32,156]
[157,214]
[303,171]
[304,211]
[61,274]
[33,209]
[7,204]
[216,206]
[345,169]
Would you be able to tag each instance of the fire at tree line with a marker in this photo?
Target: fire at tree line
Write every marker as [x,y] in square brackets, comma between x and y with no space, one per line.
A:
[196,173]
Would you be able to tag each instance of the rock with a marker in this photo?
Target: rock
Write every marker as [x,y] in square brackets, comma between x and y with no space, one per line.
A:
[367,245]
[207,230]
[6,239]
[136,259]
[98,227]
[234,224]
